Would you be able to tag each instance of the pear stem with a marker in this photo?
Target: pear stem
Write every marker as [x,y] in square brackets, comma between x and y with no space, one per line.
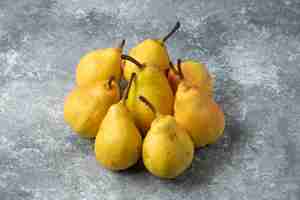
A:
[110,80]
[173,68]
[122,44]
[177,71]
[180,69]
[175,28]
[147,103]
[134,61]
[125,95]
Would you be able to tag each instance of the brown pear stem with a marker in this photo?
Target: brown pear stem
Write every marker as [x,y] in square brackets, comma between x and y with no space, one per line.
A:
[110,80]
[125,95]
[175,28]
[122,44]
[173,68]
[134,61]
[147,103]
[180,69]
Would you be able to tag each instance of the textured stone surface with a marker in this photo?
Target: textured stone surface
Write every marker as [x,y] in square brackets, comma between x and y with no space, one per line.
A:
[252,46]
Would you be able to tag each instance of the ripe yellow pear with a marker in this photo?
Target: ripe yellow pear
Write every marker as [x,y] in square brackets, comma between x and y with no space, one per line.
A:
[118,143]
[199,114]
[168,150]
[153,85]
[150,51]
[99,65]
[86,106]
[193,72]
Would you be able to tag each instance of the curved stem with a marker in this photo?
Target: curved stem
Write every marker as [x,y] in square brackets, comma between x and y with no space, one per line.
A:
[179,69]
[175,28]
[122,44]
[134,61]
[110,80]
[148,104]
[125,95]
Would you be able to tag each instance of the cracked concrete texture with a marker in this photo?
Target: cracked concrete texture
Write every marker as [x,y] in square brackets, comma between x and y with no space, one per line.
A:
[252,47]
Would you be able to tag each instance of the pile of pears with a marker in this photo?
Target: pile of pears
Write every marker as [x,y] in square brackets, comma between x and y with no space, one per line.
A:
[164,113]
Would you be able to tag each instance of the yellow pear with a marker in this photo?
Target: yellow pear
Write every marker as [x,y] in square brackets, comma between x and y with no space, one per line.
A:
[193,72]
[118,143]
[150,51]
[99,65]
[199,114]
[86,106]
[152,84]
[168,150]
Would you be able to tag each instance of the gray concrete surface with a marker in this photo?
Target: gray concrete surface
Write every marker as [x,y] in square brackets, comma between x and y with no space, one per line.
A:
[252,46]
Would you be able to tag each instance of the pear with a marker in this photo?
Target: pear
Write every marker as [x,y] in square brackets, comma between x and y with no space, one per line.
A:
[118,143]
[199,114]
[152,84]
[86,106]
[168,150]
[193,72]
[99,65]
[150,51]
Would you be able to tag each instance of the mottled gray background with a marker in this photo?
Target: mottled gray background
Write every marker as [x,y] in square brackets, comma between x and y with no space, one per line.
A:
[252,46]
